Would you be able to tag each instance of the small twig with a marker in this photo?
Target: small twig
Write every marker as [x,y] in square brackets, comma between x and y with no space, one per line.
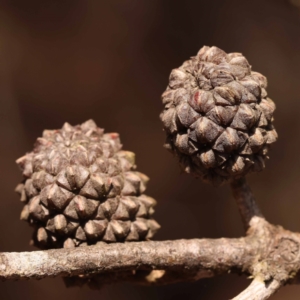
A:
[259,290]
[246,202]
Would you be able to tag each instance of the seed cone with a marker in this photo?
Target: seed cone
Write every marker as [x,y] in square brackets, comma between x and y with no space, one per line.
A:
[217,116]
[80,188]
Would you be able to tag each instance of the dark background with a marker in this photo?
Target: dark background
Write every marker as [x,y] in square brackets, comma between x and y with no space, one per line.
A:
[71,60]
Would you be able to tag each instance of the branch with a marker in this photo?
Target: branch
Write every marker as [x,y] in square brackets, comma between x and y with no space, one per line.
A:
[259,290]
[190,257]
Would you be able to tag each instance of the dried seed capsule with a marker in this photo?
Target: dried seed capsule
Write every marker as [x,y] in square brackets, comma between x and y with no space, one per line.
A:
[217,117]
[80,188]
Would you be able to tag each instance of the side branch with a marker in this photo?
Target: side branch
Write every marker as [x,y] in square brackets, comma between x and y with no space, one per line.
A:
[190,257]
[259,290]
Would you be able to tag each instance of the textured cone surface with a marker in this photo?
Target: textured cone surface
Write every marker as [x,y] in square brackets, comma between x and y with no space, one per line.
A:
[217,116]
[80,188]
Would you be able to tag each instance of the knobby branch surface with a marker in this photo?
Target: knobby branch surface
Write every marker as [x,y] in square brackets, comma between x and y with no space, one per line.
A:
[268,253]
[279,248]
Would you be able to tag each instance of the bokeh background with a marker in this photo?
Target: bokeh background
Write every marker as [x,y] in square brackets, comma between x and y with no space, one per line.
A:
[71,60]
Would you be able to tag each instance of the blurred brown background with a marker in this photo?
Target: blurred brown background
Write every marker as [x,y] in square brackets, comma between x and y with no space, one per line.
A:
[71,60]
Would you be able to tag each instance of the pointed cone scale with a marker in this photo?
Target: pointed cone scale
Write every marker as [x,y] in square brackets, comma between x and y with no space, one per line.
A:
[141,227]
[50,225]
[100,215]
[55,198]
[98,183]
[120,228]
[208,159]
[42,236]
[36,210]
[80,234]
[148,201]
[121,213]
[25,213]
[88,190]
[94,229]
[153,228]
[131,205]
[62,180]
[109,207]
[207,131]
[70,211]
[85,208]
[81,176]
[142,212]
[60,223]
[71,227]
[69,244]
[109,235]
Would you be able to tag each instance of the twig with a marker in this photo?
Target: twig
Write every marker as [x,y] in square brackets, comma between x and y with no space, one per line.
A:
[259,290]
[244,197]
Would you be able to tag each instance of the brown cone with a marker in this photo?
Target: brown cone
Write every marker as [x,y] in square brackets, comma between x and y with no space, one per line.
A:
[217,116]
[80,188]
